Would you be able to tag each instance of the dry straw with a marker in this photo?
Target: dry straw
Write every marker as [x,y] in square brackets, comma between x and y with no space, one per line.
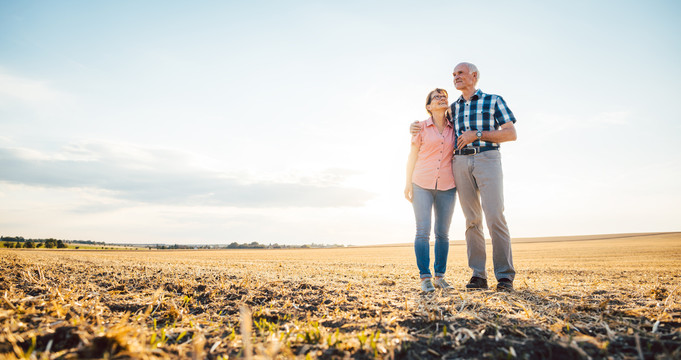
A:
[617,301]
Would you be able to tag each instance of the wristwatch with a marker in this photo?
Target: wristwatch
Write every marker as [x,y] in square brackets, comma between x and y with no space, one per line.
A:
[479,134]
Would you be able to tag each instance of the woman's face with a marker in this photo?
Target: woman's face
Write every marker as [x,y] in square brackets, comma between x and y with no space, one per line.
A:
[438,101]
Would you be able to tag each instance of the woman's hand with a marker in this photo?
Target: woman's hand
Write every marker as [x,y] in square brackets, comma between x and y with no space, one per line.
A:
[409,192]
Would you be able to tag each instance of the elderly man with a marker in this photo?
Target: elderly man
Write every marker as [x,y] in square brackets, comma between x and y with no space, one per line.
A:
[481,121]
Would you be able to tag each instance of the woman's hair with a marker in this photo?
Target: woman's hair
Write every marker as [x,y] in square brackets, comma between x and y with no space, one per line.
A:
[430,95]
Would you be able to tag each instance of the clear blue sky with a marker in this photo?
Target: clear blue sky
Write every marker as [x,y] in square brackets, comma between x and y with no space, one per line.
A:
[287,122]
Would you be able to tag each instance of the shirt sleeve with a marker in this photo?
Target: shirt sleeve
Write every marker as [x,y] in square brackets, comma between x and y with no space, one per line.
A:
[418,138]
[502,114]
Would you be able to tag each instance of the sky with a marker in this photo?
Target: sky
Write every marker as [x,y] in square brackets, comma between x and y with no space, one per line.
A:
[287,121]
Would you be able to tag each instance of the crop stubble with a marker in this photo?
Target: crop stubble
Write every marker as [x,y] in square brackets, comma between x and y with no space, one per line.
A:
[614,298]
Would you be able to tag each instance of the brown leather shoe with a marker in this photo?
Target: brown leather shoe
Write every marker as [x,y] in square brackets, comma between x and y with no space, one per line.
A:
[477,283]
[505,285]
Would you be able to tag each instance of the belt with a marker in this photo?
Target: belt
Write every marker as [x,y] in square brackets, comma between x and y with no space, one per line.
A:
[474,150]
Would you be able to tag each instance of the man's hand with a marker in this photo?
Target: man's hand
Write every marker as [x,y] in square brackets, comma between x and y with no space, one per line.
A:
[409,192]
[415,127]
[466,138]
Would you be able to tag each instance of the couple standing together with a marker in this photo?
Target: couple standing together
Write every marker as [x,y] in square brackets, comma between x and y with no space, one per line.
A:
[456,150]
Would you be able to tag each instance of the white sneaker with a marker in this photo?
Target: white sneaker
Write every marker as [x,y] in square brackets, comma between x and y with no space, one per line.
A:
[441,283]
[427,286]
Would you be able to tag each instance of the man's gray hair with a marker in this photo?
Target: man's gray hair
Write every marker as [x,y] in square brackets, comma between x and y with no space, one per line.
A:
[472,69]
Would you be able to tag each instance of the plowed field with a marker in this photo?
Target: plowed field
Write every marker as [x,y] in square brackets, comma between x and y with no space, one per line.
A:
[613,298]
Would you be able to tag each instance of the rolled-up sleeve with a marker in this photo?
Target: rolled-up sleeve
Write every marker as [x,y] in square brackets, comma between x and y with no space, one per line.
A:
[502,114]
[418,138]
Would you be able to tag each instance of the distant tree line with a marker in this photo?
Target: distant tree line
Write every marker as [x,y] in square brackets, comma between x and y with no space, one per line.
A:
[255,245]
[20,242]
[235,245]
[51,243]
[22,239]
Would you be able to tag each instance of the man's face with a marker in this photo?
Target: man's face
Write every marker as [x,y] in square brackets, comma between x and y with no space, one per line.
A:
[463,78]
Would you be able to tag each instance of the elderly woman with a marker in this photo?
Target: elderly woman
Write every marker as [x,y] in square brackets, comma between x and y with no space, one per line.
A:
[430,188]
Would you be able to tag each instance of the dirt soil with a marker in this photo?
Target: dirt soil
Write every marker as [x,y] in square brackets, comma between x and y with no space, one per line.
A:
[607,299]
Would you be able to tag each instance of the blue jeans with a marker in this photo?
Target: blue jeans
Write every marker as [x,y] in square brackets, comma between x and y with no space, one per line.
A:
[424,202]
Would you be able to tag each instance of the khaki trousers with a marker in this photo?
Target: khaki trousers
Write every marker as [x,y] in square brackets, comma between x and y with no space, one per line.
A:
[479,184]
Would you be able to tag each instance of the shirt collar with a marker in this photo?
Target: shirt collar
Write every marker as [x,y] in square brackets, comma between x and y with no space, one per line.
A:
[429,122]
[476,96]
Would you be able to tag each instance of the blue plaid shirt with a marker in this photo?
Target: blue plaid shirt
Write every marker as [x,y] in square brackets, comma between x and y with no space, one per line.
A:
[484,112]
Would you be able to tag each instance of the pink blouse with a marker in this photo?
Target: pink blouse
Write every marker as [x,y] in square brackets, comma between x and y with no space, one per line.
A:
[433,169]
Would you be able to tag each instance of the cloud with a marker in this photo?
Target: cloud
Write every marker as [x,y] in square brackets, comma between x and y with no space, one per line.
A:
[612,118]
[161,176]
[29,91]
